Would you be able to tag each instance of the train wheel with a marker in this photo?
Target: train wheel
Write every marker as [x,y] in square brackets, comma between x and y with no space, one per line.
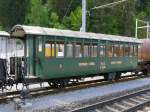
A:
[58,84]
[10,84]
[51,84]
[2,85]
[145,72]
[110,76]
[19,86]
[106,77]
[8,87]
[118,75]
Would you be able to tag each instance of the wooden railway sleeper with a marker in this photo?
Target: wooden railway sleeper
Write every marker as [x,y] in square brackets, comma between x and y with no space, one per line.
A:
[111,109]
[121,106]
[136,100]
[128,103]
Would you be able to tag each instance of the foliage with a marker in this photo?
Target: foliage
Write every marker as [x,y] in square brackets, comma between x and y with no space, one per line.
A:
[76,19]
[38,14]
[1,28]
[12,12]
[67,14]
[54,21]
[63,7]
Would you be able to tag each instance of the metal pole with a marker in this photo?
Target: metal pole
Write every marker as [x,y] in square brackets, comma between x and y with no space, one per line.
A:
[147,30]
[83,16]
[136,28]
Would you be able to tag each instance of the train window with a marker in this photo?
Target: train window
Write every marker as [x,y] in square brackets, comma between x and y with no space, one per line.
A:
[102,50]
[49,49]
[131,51]
[110,51]
[87,50]
[94,51]
[78,50]
[59,49]
[116,50]
[126,50]
[121,51]
[40,44]
[135,50]
[69,49]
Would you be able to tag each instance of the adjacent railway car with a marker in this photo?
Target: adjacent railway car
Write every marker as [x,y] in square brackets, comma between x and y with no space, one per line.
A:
[144,56]
[58,55]
[3,43]
[9,49]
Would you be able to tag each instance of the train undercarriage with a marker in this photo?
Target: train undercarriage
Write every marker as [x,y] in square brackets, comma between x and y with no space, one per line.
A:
[16,74]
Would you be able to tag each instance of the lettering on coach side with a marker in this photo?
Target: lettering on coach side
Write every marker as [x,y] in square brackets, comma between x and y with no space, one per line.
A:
[102,66]
[87,64]
[116,62]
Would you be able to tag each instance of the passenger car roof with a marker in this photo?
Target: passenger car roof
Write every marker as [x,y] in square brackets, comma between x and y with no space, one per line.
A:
[3,33]
[22,30]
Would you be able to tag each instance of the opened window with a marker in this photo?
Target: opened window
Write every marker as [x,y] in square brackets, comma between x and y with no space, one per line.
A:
[94,51]
[60,49]
[121,51]
[131,51]
[87,50]
[78,50]
[116,50]
[136,50]
[110,51]
[49,49]
[69,50]
[102,50]
[126,50]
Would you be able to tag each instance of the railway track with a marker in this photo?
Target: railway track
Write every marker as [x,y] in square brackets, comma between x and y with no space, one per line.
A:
[126,103]
[71,87]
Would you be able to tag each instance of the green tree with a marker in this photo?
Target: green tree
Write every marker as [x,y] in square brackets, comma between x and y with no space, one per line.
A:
[63,7]
[54,21]
[1,28]
[118,19]
[38,14]
[76,19]
[13,12]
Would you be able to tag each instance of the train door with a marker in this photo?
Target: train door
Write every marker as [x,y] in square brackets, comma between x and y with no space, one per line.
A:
[38,55]
[102,56]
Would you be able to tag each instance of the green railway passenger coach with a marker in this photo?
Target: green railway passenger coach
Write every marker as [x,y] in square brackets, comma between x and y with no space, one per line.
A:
[64,54]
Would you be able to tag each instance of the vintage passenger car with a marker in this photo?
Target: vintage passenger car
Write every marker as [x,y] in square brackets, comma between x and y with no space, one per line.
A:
[58,55]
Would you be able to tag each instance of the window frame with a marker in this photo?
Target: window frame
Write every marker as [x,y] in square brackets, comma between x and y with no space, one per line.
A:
[137,50]
[116,47]
[47,41]
[121,47]
[73,43]
[110,44]
[93,44]
[80,42]
[88,44]
[54,39]
[125,46]
[59,41]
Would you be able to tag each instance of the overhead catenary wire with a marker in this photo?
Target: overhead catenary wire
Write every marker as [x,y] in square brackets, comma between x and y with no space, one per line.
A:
[67,9]
[109,4]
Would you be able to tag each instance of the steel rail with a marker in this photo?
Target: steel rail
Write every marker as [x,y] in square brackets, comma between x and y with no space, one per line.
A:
[72,87]
[99,105]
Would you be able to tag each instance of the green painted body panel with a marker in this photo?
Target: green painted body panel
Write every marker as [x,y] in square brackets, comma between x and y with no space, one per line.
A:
[56,68]
[51,68]
[120,64]
[30,55]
